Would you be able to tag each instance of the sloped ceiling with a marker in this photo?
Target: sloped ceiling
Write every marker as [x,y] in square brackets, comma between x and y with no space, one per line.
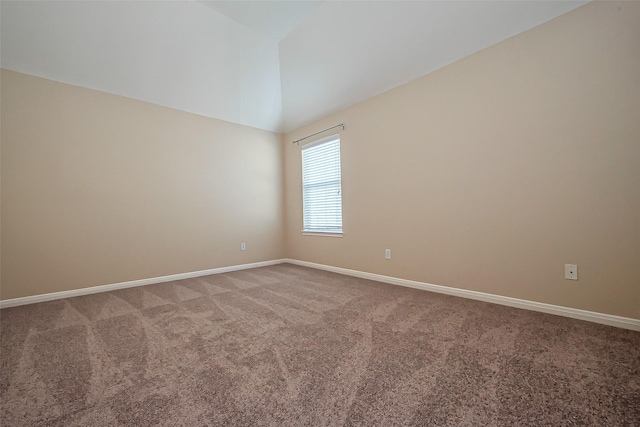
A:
[274,19]
[181,55]
[274,65]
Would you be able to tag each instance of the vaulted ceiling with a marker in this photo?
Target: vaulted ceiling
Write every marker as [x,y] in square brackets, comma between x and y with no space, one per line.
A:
[274,65]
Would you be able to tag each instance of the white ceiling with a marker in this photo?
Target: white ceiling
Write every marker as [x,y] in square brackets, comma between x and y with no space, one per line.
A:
[274,65]
[349,51]
[275,19]
[182,55]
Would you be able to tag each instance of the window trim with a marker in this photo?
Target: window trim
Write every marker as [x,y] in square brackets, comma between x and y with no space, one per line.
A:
[308,145]
[322,233]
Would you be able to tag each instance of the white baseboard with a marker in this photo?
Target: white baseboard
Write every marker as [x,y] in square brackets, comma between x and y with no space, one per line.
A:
[591,316]
[122,285]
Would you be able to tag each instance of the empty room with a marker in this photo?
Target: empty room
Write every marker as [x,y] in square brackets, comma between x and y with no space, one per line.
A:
[320,213]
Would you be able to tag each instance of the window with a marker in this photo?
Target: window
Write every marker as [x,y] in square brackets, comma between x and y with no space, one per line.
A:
[321,186]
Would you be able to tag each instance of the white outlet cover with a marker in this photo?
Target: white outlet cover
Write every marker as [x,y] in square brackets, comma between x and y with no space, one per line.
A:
[243,246]
[571,271]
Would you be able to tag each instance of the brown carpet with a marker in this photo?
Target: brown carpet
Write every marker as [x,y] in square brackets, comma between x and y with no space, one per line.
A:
[291,346]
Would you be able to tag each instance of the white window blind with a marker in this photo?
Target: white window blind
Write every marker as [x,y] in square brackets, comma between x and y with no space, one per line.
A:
[321,186]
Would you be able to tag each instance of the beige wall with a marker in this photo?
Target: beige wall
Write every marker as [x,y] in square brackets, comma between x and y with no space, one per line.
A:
[100,189]
[492,173]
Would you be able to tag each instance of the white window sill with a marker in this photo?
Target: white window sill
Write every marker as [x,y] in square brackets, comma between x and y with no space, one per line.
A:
[325,234]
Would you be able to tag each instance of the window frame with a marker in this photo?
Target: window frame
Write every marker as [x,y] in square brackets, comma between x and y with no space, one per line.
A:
[321,141]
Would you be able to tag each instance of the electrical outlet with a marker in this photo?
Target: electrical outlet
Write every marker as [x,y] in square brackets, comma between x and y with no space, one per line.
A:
[387,253]
[571,271]
[243,246]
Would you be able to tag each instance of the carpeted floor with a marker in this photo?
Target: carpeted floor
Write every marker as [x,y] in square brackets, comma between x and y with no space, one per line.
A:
[291,346]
